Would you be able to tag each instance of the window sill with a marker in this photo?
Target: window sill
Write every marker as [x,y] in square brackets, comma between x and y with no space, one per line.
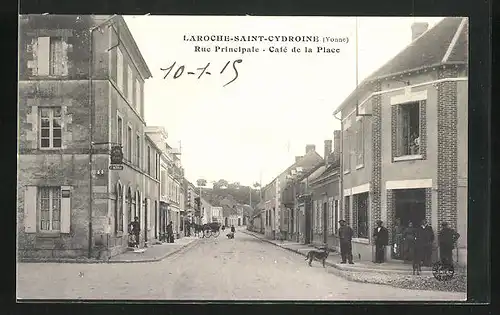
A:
[49,234]
[360,166]
[408,158]
[346,172]
[361,240]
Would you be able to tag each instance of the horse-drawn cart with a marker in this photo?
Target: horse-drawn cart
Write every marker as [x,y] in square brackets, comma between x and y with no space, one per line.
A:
[207,230]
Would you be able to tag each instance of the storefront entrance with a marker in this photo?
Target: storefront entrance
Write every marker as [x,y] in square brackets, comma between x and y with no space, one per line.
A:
[409,207]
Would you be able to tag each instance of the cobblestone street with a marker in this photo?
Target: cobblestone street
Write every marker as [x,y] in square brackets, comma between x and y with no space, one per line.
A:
[214,269]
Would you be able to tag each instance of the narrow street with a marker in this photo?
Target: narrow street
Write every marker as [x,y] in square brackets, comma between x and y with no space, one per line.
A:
[243,268]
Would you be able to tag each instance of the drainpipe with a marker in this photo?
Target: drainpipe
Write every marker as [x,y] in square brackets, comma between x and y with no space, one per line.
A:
[341,175]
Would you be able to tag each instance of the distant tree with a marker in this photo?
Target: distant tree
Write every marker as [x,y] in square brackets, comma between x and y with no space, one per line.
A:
[201,182]
[222,183]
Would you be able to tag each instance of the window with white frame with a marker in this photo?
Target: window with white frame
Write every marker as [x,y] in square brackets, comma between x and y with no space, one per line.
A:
[163,183]
[138,96]
[346,152]
[138,150]
[119,133]
[360,148]
[408,129]
[130,85]
[51,57]
[50,208]
[129,143]
[50,127]
[119,69]
[149,160]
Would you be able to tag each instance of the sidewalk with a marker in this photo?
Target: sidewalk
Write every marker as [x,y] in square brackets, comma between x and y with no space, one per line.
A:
[333,259]
[155,252]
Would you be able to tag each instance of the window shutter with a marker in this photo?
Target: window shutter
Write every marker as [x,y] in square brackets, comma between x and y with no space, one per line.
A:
[43,55]
[30,208]
[65,212]
[125,214]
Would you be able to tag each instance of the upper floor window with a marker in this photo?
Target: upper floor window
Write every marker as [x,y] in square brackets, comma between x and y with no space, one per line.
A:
[51,57]
[138,96]
[360,147]
[149,160]
[119,69]
[130,85]
[346,152]
[138,150]
[129,144]
[50,127]
[119,131]
[408,129]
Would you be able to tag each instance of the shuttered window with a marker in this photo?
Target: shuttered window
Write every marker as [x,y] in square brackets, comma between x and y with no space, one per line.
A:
[50,208]
[46,210]
[51,56]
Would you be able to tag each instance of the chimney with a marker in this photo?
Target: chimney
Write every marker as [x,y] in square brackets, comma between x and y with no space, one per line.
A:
[417,29]
[310,147]
[328,151]
[336,145]
[297,158]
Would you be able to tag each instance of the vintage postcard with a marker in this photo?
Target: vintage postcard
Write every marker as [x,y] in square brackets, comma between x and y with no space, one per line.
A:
[242,158]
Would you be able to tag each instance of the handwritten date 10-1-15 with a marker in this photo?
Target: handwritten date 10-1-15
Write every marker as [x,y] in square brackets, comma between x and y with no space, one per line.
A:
[202,71]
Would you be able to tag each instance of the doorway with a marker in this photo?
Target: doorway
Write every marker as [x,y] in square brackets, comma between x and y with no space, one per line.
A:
[226,222]
[239,221]
[409,206]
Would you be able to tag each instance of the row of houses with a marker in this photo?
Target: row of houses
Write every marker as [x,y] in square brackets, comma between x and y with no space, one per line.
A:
[400,156]
[81,92]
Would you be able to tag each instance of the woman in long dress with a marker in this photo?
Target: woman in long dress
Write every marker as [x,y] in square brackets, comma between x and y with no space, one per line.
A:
[398,240]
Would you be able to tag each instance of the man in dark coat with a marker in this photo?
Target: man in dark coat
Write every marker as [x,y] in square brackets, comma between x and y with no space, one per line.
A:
[427,238]
[170,232]
[447,239]
[381,237]
[345,238]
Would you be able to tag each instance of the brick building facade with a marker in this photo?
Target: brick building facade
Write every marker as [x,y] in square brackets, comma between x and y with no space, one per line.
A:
[54,136]
[406,159]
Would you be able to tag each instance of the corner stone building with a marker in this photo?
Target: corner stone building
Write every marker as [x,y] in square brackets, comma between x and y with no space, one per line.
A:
[54,137]
[406,159]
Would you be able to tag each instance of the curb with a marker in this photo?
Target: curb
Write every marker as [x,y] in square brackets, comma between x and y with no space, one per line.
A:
[344,268]
[130,261]
[95,261]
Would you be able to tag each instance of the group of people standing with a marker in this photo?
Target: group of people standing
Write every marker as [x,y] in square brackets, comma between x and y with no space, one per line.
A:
[135,231]
[412,244]
[415,243]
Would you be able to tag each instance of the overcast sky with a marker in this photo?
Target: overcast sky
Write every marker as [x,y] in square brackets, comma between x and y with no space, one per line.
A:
[253,128]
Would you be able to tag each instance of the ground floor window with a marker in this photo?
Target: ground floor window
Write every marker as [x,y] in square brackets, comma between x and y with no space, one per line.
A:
[362,211]
[336,216]
[50,208]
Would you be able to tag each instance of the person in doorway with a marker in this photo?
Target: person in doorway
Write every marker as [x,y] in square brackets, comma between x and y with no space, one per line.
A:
[427,238]
[447,239]
[408,242]
[135,229]
[381,237]
[170,232]
[397,243]
[345,238]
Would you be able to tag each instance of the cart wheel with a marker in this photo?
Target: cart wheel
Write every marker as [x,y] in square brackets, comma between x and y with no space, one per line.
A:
[207,233]
[216,233]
